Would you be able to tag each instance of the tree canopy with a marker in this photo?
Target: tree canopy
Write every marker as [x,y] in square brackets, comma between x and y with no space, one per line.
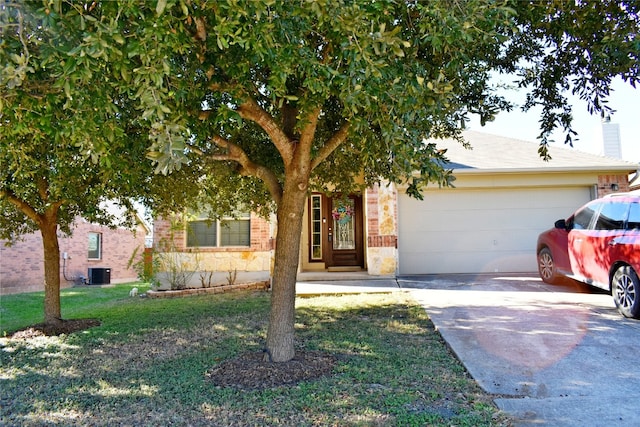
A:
[269,100]
[66,145]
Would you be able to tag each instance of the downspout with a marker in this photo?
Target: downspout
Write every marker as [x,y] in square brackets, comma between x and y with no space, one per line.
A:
[634,178]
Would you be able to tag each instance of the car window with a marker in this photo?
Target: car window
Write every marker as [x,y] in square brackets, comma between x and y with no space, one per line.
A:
[582,218]
[611,216]
[633,222]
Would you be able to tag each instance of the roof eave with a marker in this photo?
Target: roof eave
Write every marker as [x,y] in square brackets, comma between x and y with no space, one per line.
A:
[580,169]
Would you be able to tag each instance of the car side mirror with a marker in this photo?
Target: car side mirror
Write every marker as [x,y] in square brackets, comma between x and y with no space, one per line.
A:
[562,224]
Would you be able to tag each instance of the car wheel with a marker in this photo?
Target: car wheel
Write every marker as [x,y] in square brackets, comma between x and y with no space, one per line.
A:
[546,266]
[625,288]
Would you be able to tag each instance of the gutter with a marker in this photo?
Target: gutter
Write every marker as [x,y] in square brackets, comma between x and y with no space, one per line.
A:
[577,169]
[635,177]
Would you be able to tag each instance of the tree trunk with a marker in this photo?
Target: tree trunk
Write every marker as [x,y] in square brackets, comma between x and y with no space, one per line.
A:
[49,231]
[280,334]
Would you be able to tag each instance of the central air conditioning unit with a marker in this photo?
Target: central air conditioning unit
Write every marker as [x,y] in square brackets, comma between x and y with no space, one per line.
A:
[99,276]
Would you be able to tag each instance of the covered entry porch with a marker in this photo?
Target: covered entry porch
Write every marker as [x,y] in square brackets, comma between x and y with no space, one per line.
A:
[350,234]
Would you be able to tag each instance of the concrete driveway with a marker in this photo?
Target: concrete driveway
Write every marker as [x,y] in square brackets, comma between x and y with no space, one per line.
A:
[553,355]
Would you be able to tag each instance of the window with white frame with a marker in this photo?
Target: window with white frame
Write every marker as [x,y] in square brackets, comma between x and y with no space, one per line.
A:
[95,246]
[229,231]
[316,226]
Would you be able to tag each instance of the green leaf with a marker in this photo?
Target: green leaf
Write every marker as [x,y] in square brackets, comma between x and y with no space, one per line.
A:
[185,9]
[160,6]
[67,88]
[398,51]
[126,76]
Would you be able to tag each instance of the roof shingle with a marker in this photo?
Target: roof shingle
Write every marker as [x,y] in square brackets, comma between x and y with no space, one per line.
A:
[497,153]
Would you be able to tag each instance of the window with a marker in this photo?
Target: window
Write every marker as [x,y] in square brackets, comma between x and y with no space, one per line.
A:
[583,217]
[202,233]
[316,227]
[235,233]
[219,233]
[611,216]
[633,223]
[95,246]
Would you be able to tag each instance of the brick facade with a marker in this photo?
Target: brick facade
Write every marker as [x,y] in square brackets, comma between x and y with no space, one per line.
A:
[22,265]
[260,235]
[254,258]
[608,184]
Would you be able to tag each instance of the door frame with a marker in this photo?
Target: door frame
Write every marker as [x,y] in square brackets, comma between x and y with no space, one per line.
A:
[319,227]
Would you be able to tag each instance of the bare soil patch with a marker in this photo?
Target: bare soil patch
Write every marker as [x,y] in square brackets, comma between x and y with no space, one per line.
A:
[250,371]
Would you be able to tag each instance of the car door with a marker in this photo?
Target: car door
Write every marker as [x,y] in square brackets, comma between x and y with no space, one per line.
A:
[595,248]
[626,248]
[580,253]
[606,240]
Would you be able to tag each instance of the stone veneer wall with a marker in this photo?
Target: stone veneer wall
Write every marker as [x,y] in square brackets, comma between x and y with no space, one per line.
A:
[382,230]
[22,265]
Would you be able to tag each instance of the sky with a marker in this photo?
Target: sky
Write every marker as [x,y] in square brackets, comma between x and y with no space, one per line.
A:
[623,98]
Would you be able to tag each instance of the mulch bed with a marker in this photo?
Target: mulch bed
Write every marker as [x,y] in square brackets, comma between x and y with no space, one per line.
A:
[250,371]
[67,326]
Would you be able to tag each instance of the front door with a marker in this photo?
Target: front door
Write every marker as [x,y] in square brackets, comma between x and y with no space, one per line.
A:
[336,231]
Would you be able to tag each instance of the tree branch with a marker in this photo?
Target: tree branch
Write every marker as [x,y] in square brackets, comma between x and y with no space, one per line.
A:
[250,110]
[196,150]
[22,206]
[237,154]
[334,142]
[43,187]
[309,131]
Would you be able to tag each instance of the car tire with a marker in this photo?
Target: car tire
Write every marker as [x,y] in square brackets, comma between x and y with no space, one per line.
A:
[547,267]
[625,289]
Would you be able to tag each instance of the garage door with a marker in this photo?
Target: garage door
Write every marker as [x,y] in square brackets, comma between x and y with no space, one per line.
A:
[474,231]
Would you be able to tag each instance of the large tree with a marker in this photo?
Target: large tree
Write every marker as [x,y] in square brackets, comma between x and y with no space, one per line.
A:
[279,98]
[69,141]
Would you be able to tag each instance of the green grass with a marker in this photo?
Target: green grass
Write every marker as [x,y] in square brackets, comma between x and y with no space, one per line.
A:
[20,310]
[146,364]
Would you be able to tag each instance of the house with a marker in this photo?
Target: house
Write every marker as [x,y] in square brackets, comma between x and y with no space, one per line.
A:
[91,246]
[504,196]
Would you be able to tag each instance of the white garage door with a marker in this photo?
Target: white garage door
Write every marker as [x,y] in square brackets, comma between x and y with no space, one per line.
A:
[475,231]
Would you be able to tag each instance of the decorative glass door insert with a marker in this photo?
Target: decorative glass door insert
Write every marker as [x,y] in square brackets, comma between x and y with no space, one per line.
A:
[343,213]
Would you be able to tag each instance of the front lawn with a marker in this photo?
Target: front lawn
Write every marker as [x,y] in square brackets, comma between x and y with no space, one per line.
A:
[147,364]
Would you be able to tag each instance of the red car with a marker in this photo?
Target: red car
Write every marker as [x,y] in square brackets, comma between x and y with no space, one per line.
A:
[598,245]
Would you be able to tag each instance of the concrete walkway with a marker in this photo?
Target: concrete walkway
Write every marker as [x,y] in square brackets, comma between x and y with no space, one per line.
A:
[553,355]
[310,284]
